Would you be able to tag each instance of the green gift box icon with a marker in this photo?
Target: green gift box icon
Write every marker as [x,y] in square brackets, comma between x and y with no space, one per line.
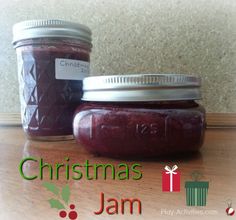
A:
[196,191]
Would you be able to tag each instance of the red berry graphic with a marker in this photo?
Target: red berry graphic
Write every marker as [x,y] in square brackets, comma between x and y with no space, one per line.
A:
[62,214]
[72,215]
[72,206]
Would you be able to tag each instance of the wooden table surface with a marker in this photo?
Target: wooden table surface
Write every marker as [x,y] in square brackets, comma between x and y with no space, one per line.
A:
[28,199]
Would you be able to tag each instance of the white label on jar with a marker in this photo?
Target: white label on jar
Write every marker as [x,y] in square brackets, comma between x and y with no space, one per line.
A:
[71,69]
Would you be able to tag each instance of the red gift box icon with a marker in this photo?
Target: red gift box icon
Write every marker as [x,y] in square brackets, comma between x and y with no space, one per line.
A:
[171,179]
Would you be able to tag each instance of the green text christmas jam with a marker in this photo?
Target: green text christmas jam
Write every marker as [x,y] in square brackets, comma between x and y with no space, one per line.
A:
[88,171]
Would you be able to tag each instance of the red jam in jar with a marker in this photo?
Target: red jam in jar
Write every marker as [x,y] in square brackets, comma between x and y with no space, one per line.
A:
[140,115]
[53,58]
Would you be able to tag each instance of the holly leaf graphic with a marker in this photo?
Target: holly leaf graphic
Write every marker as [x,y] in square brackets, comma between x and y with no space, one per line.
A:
[65,194]
[51,187]
[56,204]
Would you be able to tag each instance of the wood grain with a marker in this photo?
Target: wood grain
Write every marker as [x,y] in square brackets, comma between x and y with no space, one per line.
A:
[28,200]
[220,120]
[10,119]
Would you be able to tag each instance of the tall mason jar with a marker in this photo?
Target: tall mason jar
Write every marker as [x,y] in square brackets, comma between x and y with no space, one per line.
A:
[53,58]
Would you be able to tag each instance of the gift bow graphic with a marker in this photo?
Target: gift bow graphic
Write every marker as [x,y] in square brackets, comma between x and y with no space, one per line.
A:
[171,172]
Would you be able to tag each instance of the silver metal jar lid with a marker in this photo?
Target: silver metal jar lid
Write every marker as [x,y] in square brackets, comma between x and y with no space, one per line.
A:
[50,28]
[141,87]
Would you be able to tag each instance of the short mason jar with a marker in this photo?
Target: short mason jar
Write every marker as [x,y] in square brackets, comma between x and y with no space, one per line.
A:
[145,115]
[53,58]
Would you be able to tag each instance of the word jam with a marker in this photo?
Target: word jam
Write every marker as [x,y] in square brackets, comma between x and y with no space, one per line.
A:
[113,206]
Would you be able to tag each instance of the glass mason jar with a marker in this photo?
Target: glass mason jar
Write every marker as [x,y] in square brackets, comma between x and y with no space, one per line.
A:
[53,58]
[140,115]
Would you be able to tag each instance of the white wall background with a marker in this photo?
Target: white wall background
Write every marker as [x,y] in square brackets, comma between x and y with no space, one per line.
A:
[180,36]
